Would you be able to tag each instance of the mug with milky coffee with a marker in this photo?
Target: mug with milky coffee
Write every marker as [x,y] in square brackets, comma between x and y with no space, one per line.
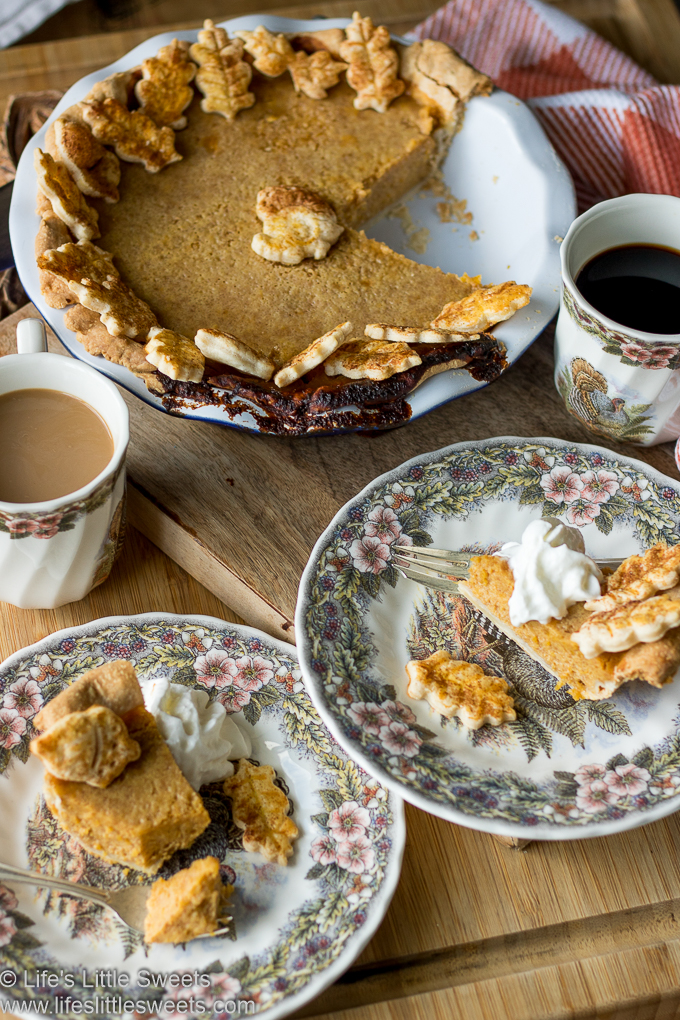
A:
[64,432]
[617,339]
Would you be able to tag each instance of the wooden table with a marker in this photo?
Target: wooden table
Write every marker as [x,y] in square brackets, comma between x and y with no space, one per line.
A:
[475,930]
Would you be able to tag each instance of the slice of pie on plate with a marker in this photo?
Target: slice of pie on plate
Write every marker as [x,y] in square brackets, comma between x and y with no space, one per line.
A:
[489,587]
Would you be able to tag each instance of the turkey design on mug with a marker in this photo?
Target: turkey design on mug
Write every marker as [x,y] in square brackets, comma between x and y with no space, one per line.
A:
[621,383]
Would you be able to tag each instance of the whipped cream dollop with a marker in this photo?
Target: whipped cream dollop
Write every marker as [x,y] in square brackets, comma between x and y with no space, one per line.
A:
[202,738]
[551,572]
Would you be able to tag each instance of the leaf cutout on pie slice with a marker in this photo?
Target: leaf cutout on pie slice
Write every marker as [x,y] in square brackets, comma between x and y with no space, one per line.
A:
[133,135]
[621,628]
[373,65]
[639,577]
[163,92]
[259,808]
[223,75]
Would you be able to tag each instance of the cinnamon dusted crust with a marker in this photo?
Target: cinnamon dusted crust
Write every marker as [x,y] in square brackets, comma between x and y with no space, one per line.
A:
[489,588]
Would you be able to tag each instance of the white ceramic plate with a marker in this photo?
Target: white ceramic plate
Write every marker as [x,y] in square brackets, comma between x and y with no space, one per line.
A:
[298,928]
[501,163]
[565,769]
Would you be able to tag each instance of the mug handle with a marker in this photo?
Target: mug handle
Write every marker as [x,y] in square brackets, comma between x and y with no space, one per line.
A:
[31,337]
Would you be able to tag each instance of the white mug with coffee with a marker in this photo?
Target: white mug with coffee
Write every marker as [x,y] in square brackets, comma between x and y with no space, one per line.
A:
[617,339]
[65,431]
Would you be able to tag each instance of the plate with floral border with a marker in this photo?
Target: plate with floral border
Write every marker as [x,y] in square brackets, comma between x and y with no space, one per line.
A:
[564,769]
[296,928]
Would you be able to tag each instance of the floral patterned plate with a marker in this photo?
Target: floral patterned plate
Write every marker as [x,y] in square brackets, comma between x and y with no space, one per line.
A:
[565,769]
[297,928]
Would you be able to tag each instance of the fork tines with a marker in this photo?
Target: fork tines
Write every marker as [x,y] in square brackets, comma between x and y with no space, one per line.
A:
[436,568]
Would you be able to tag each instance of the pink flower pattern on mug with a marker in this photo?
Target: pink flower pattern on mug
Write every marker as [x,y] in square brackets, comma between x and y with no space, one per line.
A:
[658,356]
[45,526]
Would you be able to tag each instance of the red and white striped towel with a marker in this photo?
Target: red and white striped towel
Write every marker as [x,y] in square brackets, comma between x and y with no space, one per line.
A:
[614,126]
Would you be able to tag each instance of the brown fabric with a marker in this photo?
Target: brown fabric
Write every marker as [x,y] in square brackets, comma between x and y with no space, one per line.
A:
[24,115]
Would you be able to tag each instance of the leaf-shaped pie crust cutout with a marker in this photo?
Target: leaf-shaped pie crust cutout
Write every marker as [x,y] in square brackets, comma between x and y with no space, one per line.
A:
[260,809]
[223,75]
[619,629]
[373,65]
[90,274]
[484,307]
[66,198]
[639,577]
[133,135]
[163,92]
[456,688]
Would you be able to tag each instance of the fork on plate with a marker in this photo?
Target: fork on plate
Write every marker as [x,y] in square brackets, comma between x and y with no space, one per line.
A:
[129,903]
[442,569]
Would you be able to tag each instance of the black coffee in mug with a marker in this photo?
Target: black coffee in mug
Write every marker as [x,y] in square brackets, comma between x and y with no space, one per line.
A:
[636,285]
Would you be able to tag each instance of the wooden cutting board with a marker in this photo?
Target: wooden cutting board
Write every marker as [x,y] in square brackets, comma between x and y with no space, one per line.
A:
[241,512]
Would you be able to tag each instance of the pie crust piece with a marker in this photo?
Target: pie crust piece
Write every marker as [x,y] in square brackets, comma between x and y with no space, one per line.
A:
[489,587]
[186,905]
[314,355]
[113,685]
[96,339]
[90,274]
[618,629]
[639,577]
[261,809]
[371,359]
[90,747]
[174,355]
[228,350]
[223,75]
[95,170]
[163,91]
[67,200]
[483,308]
[456,688]
[296,225]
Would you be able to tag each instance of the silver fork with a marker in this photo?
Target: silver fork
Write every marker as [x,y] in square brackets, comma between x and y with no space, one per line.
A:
[129,904]
[442,569]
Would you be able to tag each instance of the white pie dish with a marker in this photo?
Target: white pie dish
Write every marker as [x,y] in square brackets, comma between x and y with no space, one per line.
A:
[501,163]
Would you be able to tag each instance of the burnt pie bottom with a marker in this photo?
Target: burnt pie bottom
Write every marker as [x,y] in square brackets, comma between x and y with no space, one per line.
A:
[320,403]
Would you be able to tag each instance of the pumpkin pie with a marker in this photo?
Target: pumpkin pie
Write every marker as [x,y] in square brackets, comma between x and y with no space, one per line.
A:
[111,780]
[188,904]
[343,124]
[489,586]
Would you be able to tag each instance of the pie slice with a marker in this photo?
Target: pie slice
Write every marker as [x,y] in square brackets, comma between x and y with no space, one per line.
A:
[146,814]
[186,905]
[489,587]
